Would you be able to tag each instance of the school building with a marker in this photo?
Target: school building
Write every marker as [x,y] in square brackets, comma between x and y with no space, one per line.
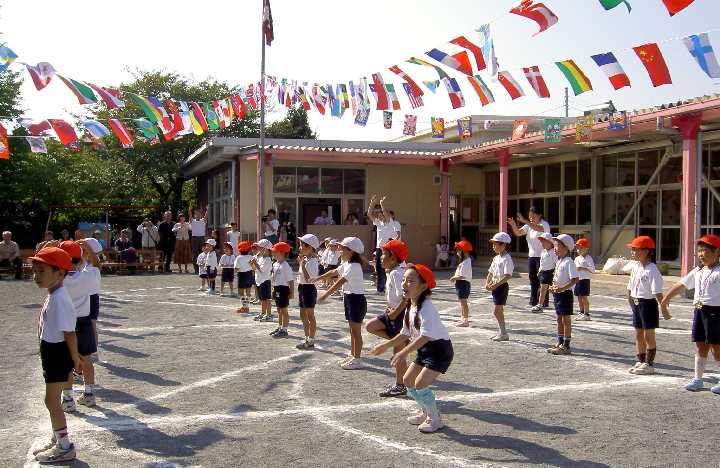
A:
[659,178]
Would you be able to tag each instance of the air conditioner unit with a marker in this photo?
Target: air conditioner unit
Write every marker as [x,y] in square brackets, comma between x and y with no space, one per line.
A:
[437,180]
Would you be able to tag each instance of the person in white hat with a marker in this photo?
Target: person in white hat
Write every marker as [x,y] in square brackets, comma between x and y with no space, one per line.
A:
[307,292]
[262,264]
[499,273]
[92,266]
[350,277]
[211,264]
[546,271]
[564,280]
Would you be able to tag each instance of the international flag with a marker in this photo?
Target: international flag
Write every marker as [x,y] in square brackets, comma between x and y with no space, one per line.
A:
[4,145]
[488,48]
[362,115]
[343,96]
[410,125]
[178,124]
[454,92]
[121,132]
[148,129]
[537,12]
[220,113]
[654,62]
[437,124]
[186,119]
[7,57]
[483,92]
[415,100]
[34,128]
[41,74]
[392,96]
[477,52]
[610,4]
[213,122]
[414,88]
[417,61]
[82,92]
[464,127]
[703,53]
[267,24]
[95,128]
[333,103]
[520,128]
[164,124]
[510,85]
[459,61]
[612,69]
[353,105]
[387,120]
[64,131]
[109,97]
[536,81]
[147,107]
[432,85]
[676,6]
[239,107]
[319,98]
[577,79]
[197,119]
[37,144]
[381,97]
[304,102]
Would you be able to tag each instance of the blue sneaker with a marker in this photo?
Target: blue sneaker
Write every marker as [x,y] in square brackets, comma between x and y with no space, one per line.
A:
[695,385]
[715,389]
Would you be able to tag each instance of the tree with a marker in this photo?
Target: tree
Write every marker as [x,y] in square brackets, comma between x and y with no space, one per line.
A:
[294,125]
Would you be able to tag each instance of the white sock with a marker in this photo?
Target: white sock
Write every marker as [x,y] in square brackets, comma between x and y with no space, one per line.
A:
[310,339]
[88,389]
[284,328]
[699,366]
[67,394]
[61,436]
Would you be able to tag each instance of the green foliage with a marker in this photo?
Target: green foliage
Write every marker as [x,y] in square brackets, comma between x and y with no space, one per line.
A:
[294,125]
[10,82]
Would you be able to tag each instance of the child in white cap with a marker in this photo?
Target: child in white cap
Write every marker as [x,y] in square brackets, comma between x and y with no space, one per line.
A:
[546,270]
[499,273]
[211,264]
[307,292]
[566,276]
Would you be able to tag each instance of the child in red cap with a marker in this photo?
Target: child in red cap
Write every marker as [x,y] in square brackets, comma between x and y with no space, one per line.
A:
[462,278]
[585,268]
[245,278]
[283,282]
[429,337]
[58,347]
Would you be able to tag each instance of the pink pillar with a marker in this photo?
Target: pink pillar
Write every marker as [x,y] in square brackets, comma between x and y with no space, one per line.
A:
[503,158]
[259,205]
[689,125]
[445,198]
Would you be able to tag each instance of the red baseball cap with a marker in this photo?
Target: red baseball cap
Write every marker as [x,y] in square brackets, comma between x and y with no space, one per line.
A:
[464,245]
[425,273]
[710,239]
[282,247]
[244,246]
[642,242]
[54,256]
[583,243]
[72,248]
[397,248]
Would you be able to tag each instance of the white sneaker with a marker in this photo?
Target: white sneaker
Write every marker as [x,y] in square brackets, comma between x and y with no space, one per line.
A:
[431,424]
[353,364]
[644,369]
[536,309]
[47,446]
[69,406]
[86,399]
[344,360]
[634,368]
[584,317]
[201,289]
[501,337]
[417,418]
[56,454]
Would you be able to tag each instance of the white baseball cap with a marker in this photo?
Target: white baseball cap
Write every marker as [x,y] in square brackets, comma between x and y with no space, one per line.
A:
[334,242]
[545,235]
[567,241]
[311,240]
[94,244]
[264,244]
[503,237]
[211,242]
[354,244]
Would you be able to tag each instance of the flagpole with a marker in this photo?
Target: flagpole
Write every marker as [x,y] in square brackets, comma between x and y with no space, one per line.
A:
[261,151]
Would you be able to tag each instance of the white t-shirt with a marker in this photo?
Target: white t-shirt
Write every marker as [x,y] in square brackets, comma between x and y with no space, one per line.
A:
[535,247]
[430,323]
[464,269]
[57,316]
[272,227]
[398,228]
[353,274]
[312,268]
[385,232]
[548,259]
[645,281]
[264,269]
[242,262]
[282,274]
[333,257]
[565,271]
[233,237]
[585,261]
[201,260]
[393,288]
[79,285]
[501,265]
[227,261]
[706,283]
[211,260]
[93,276]
[197,226]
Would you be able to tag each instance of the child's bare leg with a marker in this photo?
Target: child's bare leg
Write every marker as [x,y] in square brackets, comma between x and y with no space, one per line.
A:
[312,324]
[464,309]
[356,341]
[499,313]
[542,294]
[567,330]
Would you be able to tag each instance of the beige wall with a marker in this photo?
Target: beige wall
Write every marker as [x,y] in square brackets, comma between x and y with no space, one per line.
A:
[248,200]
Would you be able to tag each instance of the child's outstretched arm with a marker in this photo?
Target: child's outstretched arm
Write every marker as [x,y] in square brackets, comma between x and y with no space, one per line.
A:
[414,345]
[380,348]
[336,285]
[325,276]
[672,292]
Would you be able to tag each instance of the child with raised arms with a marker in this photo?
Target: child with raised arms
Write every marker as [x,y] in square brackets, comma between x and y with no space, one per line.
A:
[245,278]
[429,337]
[227,269]
[211,264]
[565,278]
[546,270]
[307,292]
[461,278]
[262,266]
[499,273]
[585,267]
[283,282]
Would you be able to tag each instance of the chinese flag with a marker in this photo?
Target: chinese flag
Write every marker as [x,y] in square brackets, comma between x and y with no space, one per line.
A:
[654,62]
[675,6]
[4,148]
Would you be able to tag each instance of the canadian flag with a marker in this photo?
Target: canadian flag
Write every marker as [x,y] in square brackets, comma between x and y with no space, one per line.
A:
[536,81]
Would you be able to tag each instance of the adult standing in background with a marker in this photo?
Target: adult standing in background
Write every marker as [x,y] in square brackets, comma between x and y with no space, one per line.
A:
[324,219]
[10,254]
[167,241]
[198,228]
[385,225]
[396,224]
[148,242]
[272,226]
[533,226]
[183,248]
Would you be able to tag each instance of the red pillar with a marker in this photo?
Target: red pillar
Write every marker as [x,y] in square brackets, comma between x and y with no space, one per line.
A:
[689,125]
[503,158]
[445,198]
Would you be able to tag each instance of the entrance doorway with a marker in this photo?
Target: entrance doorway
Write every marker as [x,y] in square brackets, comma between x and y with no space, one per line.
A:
[311,208]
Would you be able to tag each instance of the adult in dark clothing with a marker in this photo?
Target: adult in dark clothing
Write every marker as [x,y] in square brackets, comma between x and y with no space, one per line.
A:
[167,241]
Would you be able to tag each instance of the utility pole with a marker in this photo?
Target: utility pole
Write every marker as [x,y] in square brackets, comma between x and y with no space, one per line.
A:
[567,103]
[260,205]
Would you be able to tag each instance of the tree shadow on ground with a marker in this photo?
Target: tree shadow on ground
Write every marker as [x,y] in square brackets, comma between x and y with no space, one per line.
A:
[506,419]
[128,373]
[112,395]
[108,346]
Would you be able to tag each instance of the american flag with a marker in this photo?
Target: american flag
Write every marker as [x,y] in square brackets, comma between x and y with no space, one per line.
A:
[415,101]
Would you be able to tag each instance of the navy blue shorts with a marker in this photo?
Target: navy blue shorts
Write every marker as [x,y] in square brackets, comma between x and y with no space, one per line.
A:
[56,361]
[307,296]
[245,279]
[330,267]
[546,276]
[321,270]
[564,303]
[211,273]
[462,287]
[500,294]
[85,336]
[392,327]
[646,314]
[281,295]
[435,355]
[94,306]
[355,307]
[706,325]
[228,275]
[582,287]
[265,291]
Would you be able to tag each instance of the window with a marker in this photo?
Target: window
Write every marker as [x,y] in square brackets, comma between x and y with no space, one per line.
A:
[570,214]
[571,176]
[647,163]
[609,209]
[284,179]
[584,209]
[624,203]
[512,182]
[470,209]
[357,207]
[220,202]
[609,165]
[669,244]
[491,212]
[671,172]
[585,174]
[539,179]
[354,181]
[331,181]
[552,210]
[308,179]
[671,207]
[525,183]
[286,209]
[626,170]
[492,184]
[553,178]
[648,209]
